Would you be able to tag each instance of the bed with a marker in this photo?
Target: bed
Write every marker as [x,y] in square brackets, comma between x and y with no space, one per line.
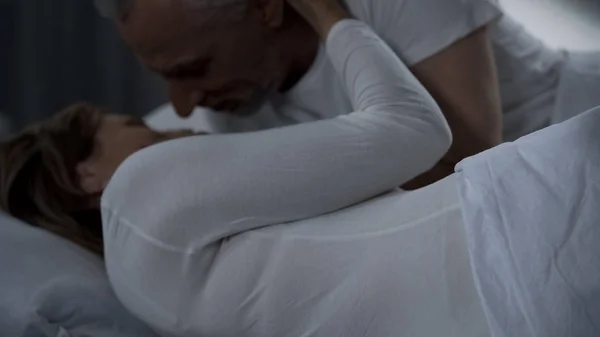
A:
[50,287]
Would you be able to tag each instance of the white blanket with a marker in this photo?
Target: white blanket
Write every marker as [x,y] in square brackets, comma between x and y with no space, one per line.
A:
[532,211]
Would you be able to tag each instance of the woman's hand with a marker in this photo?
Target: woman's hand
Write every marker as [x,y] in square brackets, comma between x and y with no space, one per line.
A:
[322,15]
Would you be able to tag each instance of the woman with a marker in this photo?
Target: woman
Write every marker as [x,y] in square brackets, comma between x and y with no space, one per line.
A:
[207,236]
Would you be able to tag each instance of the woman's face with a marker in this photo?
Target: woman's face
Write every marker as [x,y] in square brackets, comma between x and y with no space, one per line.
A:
[118,137]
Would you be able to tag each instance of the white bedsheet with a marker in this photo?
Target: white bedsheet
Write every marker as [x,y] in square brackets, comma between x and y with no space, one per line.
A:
[532,213]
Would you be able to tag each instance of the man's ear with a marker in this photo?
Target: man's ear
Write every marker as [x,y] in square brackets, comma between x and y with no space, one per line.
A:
[272,11]
[89,179]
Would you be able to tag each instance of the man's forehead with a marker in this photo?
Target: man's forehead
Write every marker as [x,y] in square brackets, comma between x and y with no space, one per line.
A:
[152,24]
[173,55]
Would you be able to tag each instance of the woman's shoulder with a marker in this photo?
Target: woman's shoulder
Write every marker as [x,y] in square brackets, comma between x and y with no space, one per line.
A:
[135,177]
[142,190]
[164,187]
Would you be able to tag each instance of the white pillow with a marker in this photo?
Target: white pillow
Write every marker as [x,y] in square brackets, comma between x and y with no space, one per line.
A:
[50,286]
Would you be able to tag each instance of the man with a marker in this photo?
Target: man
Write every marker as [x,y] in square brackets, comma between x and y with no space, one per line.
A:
[235,55]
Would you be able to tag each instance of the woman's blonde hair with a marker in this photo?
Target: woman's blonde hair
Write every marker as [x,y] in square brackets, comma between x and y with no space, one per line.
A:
[38,176]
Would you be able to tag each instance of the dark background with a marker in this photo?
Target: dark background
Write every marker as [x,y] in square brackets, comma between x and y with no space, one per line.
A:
[55,52]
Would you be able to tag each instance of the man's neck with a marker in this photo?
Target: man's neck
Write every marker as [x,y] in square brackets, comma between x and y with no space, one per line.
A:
[299,46]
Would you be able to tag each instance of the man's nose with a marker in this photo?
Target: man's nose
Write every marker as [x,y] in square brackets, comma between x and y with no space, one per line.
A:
[184,99]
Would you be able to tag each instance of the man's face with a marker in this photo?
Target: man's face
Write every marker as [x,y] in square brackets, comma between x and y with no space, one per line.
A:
[220,66]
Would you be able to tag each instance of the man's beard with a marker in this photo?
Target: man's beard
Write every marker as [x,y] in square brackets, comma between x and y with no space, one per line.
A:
[253,105]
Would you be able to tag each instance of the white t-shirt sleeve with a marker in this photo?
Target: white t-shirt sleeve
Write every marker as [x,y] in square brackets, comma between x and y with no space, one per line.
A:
[418,29]
[202,189]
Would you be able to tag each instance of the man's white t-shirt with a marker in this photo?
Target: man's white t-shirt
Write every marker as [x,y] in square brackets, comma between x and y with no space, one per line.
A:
[416,30]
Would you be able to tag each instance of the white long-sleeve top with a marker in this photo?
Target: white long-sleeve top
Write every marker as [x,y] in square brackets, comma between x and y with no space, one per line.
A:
[170,209]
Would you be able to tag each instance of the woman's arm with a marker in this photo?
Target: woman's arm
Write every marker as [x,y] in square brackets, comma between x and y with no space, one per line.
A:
[209,187]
